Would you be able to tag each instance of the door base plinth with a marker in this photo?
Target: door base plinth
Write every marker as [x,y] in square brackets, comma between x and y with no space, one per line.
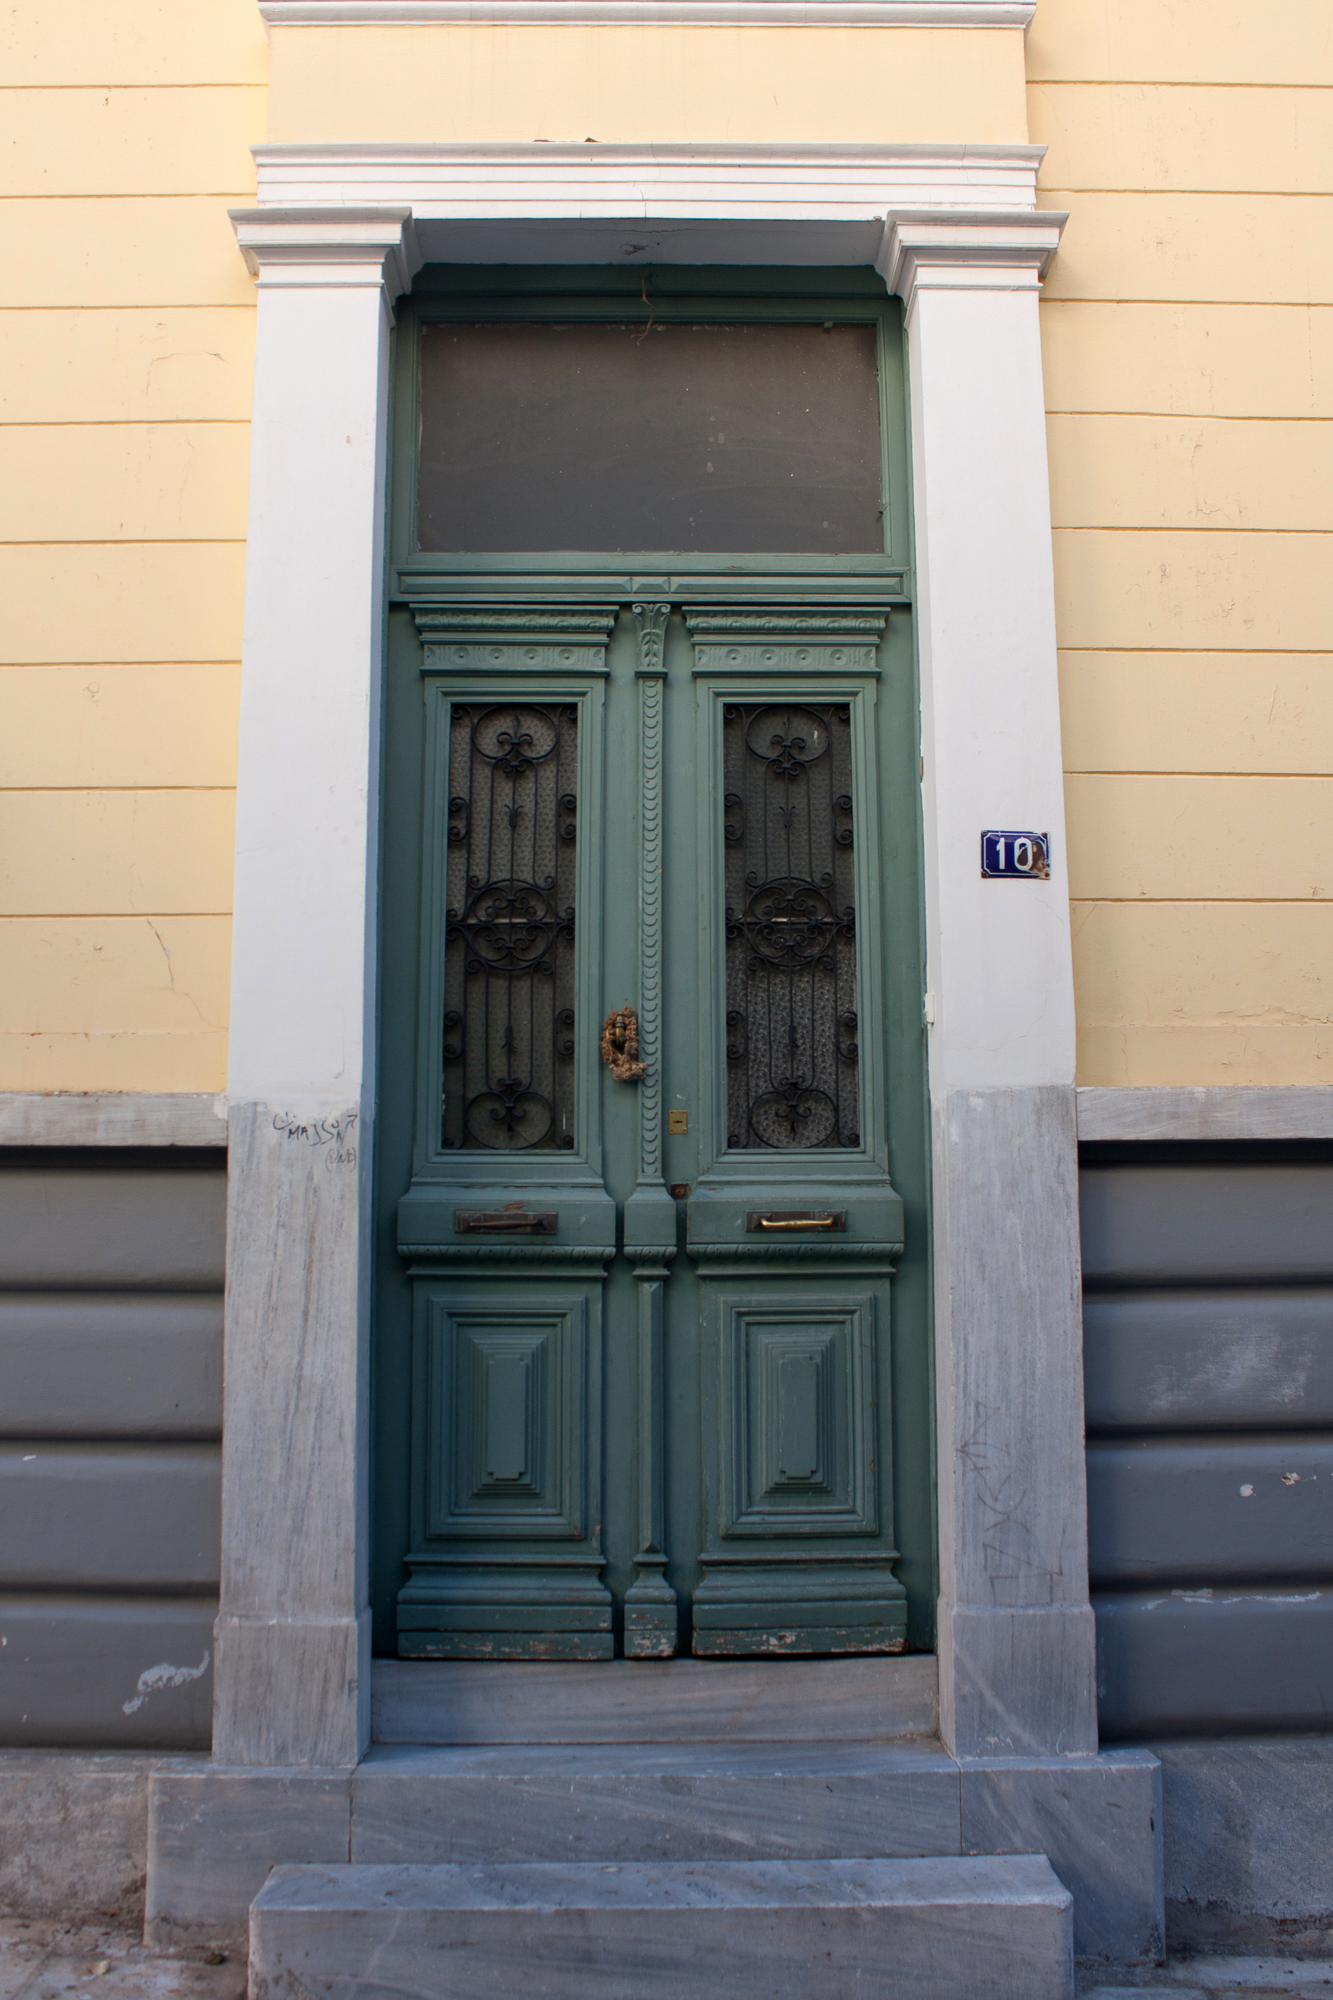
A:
[652,1616]
[741,1642]
[506,1613]
[768,1609]
[505,1646]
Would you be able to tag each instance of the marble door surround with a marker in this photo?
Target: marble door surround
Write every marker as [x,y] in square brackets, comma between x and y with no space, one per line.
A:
[336,238]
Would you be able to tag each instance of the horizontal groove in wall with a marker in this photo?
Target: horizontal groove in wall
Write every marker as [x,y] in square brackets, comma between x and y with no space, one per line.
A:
[111,1266]
[1242,1358]
[1214,1662]
[110,1365]
[134,1221]
[100,1672]
[1207,1222]
[1210,1510]
[135,1518]
[1208,1367]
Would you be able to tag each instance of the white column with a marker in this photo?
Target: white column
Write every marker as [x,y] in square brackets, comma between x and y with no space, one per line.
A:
[293,1644]
[1015,1627]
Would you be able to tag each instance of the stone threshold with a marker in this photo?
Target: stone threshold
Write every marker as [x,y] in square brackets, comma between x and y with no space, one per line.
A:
[856,1700]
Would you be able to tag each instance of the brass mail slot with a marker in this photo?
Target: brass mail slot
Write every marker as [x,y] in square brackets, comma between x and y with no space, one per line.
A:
[795,1218]
[505,1221]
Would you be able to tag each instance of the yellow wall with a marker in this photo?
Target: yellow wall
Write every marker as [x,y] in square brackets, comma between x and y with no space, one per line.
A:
[125,363]
[628,83]
[1188,333]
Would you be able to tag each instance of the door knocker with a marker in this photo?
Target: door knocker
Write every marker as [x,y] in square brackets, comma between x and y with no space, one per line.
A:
[620,1046]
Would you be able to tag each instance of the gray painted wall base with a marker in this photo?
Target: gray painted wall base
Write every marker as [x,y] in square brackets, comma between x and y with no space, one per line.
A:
[217,1831]
[958,1929]
[106,1673]
[111,1270]
[1249,1843]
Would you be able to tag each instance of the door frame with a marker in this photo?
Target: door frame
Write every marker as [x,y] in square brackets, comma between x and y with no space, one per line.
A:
[335,239]
[428,635]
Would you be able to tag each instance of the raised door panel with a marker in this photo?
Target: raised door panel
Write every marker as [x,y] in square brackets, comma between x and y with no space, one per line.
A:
[797,1445]
[506,1562]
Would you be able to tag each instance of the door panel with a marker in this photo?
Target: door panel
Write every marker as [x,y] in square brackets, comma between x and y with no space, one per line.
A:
[506,1557]
[762,947]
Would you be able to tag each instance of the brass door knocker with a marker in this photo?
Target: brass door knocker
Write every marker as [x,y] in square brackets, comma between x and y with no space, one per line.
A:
[620,1046]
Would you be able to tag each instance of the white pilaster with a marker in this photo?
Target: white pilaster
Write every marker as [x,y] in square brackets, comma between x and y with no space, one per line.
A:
[1016,1633]
[293,1654]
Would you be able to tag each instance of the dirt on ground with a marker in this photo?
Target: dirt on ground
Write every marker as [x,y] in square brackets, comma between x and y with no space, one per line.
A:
[42,1960]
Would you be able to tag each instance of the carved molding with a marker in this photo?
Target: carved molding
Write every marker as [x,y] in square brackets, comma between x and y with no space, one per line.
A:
[573,1259]
[650,1604]
[441,622]
[537,639]
[651,620]
[730,1257]
[804,641]
[740,624]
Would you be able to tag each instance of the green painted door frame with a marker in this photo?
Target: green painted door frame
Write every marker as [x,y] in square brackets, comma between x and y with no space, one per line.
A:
[641,1423]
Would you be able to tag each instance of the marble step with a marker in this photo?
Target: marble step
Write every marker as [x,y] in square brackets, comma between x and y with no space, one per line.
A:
[654,1803]
[982,1927]
[654,1701]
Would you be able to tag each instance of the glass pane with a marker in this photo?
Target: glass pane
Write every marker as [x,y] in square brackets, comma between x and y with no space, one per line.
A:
[749,439]
[792,1079]
[509,927]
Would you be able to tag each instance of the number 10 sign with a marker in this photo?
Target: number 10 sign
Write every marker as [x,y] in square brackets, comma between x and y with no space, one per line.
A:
[1011,855]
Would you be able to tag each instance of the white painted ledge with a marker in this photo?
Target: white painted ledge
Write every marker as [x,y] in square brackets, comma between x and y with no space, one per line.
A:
[39,1118]
[636,13]
[1217,1111]
[679,179]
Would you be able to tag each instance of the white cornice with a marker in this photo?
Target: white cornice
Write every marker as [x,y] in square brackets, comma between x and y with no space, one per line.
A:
[635,13]
[645,204]
[564,181]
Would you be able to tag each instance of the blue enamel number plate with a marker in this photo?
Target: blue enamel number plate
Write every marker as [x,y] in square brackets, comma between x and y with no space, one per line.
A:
[1013,854]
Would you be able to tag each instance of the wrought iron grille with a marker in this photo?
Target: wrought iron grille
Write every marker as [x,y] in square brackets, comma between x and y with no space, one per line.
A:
[509,927]
[792,1078]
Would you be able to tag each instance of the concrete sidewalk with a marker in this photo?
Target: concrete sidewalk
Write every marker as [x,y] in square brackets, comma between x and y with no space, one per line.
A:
[42,1960]
[1218,1978]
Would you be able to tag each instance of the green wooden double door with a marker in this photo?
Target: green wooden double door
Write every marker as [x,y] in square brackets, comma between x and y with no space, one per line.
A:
[651,1365]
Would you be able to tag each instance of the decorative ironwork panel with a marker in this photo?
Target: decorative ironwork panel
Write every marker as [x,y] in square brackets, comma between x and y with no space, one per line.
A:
[792,1079]
[509,930]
